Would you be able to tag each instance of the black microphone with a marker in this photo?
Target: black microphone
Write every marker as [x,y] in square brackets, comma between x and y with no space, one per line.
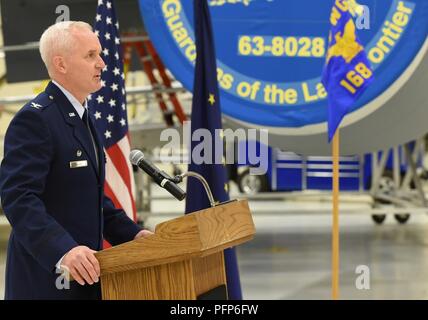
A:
[160,177]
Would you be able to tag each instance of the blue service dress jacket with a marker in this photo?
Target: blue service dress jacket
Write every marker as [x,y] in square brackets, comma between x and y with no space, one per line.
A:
[51,190]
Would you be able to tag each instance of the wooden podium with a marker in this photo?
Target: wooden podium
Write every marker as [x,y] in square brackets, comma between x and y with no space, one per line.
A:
[183,260]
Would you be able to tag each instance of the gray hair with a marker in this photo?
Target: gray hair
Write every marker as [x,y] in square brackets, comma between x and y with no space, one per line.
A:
[58,38]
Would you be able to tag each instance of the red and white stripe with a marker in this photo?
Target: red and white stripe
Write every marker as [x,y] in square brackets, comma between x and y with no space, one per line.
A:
[119,182]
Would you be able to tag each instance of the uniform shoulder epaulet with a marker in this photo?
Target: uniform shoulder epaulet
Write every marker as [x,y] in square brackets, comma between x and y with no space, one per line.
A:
[41,101]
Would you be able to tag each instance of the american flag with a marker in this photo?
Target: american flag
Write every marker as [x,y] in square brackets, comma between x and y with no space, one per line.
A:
[108,106]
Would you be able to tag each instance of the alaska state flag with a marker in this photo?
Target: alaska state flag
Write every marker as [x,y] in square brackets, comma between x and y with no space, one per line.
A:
[206,113]
[347,72]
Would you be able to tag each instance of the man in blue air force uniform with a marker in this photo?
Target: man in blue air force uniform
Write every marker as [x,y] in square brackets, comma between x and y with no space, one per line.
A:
[52,177]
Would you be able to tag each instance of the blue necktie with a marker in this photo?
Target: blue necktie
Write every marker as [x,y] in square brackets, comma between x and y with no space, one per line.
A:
[85,119]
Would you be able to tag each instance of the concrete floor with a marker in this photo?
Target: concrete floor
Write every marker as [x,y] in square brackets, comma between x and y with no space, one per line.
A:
[4,235]
[289,258]
[2,267]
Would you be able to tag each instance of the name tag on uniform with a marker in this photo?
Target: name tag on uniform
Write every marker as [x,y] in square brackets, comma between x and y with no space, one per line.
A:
[78,164]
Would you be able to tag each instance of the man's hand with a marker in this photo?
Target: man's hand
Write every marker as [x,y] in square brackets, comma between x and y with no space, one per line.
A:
[82,265]
[143,234]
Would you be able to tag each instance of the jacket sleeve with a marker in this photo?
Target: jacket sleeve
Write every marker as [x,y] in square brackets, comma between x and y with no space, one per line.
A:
[118,227]
[23,173]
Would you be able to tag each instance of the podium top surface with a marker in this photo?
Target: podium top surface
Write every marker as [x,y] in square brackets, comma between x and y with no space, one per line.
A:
[197,234]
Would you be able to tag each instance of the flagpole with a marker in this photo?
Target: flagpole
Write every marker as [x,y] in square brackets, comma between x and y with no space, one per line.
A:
[335,227]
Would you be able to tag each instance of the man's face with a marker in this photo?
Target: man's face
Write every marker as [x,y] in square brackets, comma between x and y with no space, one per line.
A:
[84,63]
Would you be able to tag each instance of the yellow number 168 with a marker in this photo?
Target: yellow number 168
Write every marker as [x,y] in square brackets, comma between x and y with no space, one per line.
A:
[355,78]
